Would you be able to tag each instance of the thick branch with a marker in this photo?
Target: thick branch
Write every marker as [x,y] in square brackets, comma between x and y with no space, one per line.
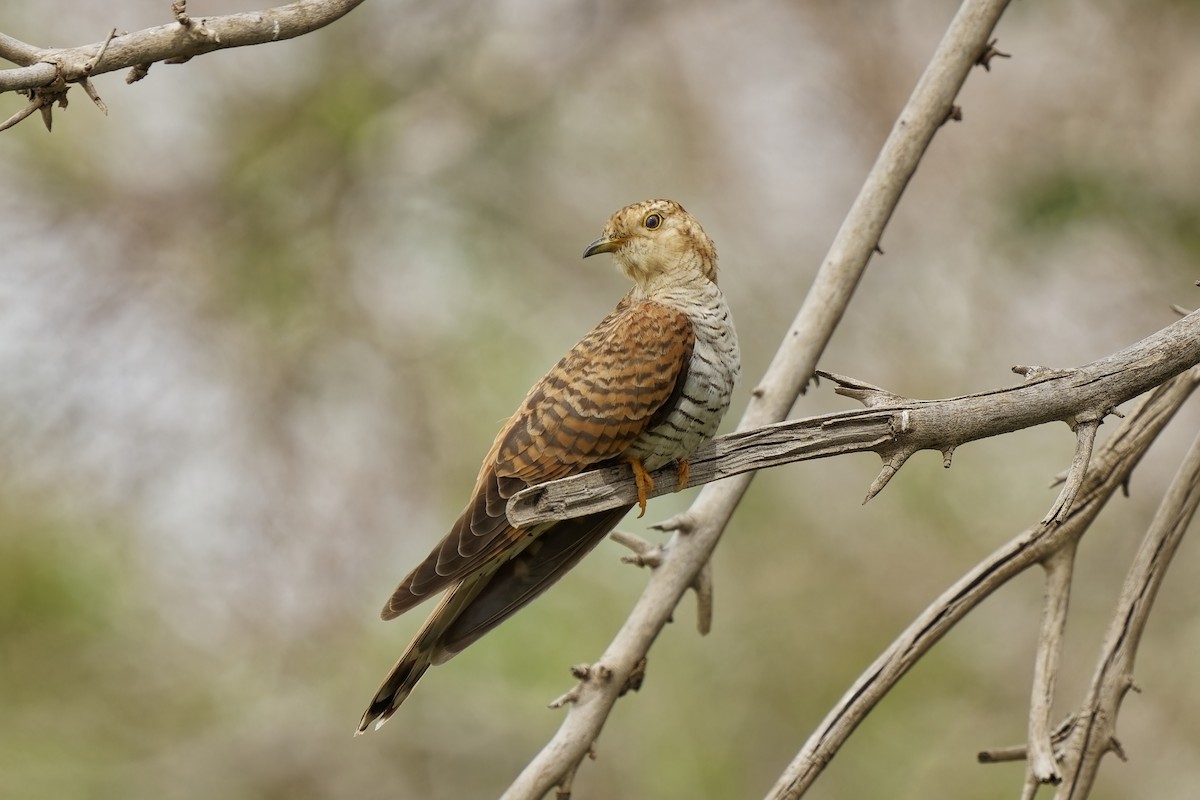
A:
[1094,733]
[901,428]
[1112,466]
[174,42]
[18,52]
[964,43]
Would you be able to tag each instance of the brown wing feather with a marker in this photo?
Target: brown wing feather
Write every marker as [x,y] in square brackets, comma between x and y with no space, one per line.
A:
[476,605]
[600,397]
[522,578]
[585,412]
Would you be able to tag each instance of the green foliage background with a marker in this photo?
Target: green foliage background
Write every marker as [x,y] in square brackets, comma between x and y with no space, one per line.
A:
[259,324]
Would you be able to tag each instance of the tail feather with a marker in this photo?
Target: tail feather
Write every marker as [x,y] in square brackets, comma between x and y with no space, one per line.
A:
[422,652]
[520,580]
[480,602]
[398,685]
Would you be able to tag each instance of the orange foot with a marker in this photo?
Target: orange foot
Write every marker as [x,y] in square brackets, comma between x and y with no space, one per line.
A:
[682,471]
[645,484]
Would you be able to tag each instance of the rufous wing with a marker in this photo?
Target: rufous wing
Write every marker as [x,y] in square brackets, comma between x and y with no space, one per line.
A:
[617,382]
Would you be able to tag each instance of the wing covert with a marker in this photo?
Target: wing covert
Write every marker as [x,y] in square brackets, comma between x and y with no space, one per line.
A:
[600,397]
[612,386]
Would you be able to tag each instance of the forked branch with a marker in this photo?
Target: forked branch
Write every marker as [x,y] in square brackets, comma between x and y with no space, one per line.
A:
[1094,734]
[1112,465]
[42,68]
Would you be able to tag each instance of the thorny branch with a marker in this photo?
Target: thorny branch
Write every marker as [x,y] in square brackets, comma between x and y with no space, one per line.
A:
[1042,767]
[1111,468]
[1094,733]
[895,427]
[44,74]
[891,426]
[699,529]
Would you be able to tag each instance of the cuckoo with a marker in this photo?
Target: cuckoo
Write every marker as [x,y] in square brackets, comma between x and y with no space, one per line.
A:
[647,386]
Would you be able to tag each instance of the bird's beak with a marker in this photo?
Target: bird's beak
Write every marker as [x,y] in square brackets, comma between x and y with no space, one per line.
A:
[604,244]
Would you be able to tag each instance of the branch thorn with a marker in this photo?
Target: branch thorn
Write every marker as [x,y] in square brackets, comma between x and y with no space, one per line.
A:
[138,72]
[634,682]
[703,587]
[955,114]
[990,52]
[645,554]
[947,456]
[890,467]
[90,90]
[581,672]
[683,523]
[179,11]
[94,60]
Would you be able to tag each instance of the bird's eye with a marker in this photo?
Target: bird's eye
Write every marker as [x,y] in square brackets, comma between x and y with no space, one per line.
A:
[652,222]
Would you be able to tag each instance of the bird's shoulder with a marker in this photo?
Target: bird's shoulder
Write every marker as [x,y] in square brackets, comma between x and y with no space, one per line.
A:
[600,396]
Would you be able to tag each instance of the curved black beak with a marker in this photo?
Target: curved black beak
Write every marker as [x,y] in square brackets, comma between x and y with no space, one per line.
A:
[602,245]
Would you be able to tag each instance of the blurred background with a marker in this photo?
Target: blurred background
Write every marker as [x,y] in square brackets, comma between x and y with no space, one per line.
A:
[260,323]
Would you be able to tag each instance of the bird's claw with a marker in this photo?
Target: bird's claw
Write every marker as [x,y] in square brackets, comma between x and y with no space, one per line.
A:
[683,472]
[645,484]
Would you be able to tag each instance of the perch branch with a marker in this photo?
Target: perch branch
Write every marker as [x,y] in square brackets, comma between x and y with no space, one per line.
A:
[174,42]
[858,238]
[893,431]
[1112,466]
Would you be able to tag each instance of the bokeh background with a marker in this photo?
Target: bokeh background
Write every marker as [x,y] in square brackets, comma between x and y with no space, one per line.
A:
[259,324]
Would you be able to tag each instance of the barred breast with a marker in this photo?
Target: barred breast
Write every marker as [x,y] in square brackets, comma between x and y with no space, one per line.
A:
[708,386]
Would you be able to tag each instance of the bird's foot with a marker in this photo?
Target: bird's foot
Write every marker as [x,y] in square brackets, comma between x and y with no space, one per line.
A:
[682,471]
[645,484]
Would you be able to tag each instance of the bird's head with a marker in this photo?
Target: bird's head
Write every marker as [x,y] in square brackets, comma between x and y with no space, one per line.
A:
[656,243]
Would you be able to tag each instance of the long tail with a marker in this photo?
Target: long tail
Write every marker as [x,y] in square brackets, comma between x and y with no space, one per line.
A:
[396,687]
[425,650]
[480,602]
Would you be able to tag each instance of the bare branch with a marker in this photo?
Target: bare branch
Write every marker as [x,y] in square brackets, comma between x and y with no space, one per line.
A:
[893,431]
[18,52]
[1095,733]
[1043,764]
[1018,752]
[1085,434]
[1113,464]
[30,107]
[175,42]
[90,66]
[645,554]
[774,396]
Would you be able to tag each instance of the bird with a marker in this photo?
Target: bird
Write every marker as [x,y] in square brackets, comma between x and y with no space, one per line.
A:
[646,386]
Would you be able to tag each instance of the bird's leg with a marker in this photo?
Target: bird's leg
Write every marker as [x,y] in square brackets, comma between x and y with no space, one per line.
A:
[645,484]
[682,471]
